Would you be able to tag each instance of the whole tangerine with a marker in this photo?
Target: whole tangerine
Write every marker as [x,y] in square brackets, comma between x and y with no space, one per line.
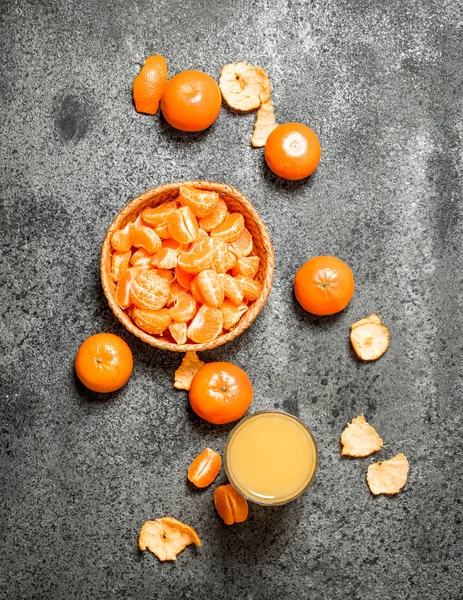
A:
[324,285]
[191,101]
[220,392]
[292,151]
[104,362]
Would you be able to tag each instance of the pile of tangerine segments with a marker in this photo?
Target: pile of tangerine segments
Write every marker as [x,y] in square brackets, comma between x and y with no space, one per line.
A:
[185,268]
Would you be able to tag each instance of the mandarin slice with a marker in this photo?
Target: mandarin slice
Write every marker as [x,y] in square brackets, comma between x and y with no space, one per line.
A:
[243,245]
[175,290]
[141,259]
[196,292]
[120,240]
[211,287]
[149,290]
[166,537]
[206,325]
[220,258]
[230,504]
[163,231]
[184,308]
[154,322]
[247,266]
[177,246]
[201,202]
[123,287]
[183,226]
[251,288]
[201,242]
[232,313]
[160,214]
[184,278]
[165,258]
[178,332]
[204,468]
[166,274]
[215,218]
[231,228]
[232,288]
[119,264]
[194,262]
[145,237]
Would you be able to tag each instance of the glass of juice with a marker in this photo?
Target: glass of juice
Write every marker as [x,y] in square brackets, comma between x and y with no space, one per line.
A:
[270,457]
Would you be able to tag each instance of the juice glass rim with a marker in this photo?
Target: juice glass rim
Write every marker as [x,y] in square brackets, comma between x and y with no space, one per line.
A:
[233,481]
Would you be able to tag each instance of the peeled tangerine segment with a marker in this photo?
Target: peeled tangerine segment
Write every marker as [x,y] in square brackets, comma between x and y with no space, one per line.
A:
[201,202]
[206,325]
[232,313]
[178,332]
[232,289]
[145,237]
[165,258]
[190,365]
[149,290]
[183,226]
[215,218]
[243,86]
[359,439]
[160,214]
[264,125]
[167,537]
[194,262]
[211,287]
[388,476]
[230,504]
[120,239]
[243,245]
[205,468]
[119,264]
[370,340]
[251,288]
[153,322]
[230,230]
[247,266]
[141,258]
[184,308]
[123,287]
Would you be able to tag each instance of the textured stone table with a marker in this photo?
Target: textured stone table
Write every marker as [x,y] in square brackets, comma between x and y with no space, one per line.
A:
[381,84]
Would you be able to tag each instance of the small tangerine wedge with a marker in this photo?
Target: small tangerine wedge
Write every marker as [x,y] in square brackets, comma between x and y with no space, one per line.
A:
[174,245]
[184,308]
[231,228]
[206,325]
[165,258]
[247,266]
[211,287]
[166,537]
[149,290]
[215,218]
[243,245]
[196,292]
[120,240]
[204,468]
[178,332]
[141,259]
[149,84]
[251,288]
[230,504]
[123,287]
[160,214]
[154,322]
[232,289]
[176,290]
[194,262]
[163,231]
[119,264]
[145,237]
[201,202]
[232,313]
[201,242]
[220,258]
[184,278]
[183,226]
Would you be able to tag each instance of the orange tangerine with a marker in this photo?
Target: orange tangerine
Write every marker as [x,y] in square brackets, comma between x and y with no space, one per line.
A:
[163,231]
[206,325]
[119,264]
[149,84]
[194,262]
[251,288]
[145,237]
[211,287]
[149,290]
[220,258]
[201,202]
[165,258]
[232,289]
[160,214]
[215,218]
[196,292]
[175,291]
[248,266]
[178,332]
[123,287]
[141,258]
[243,245]
[232,313]
[201,242]
[120,240]
[183,277]
[152,321]
[183,226]
[231,228]
[184,308]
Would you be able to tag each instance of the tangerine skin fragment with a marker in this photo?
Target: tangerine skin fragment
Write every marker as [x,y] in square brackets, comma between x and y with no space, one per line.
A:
[190,365]
[360,439]
[166,537]
[389,476]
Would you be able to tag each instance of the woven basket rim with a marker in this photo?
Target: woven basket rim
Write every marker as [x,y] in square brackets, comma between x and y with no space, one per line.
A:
[143,200]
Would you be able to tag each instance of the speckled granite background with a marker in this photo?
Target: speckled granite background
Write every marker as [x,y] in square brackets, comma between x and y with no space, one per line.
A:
[381,84]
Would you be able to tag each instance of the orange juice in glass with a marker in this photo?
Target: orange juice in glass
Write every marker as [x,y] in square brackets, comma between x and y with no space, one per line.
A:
[270,457]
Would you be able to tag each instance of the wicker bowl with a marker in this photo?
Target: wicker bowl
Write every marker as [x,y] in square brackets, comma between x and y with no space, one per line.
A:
[262,248]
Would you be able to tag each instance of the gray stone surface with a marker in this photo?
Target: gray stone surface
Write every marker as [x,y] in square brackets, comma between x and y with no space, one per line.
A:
[381,84]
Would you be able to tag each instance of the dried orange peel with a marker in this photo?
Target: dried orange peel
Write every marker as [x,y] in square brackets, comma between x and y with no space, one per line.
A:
[166,537]
[245,88]
[388,476]
[369,337]
[360,439]
[190,365]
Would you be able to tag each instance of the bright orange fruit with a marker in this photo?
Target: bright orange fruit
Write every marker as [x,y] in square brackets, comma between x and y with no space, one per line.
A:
[184,308]
[204,468]
[123,287]
[230,504]
[215,218]
[120,239]
[119,264]
[231,228]
[206,325]
[183,226]
[292,151]
[149,85]
[178,332]
[201,202]
[211,287]
[159,215]
[154,322]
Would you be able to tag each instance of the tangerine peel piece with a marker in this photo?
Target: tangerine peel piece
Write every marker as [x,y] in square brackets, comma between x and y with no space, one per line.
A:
[388,476]
[373,318]
[243,86]
[369,338]
[264,125]
[166,537]
[190,365]
[360,439]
